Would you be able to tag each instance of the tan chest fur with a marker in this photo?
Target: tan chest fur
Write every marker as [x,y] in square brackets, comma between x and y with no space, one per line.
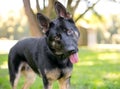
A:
[54,74]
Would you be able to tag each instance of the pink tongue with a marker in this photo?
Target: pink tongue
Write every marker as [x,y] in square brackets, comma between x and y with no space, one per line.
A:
[74,58]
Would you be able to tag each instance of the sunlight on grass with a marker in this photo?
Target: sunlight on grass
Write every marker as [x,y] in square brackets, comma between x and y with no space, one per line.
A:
[112,76]
[85,63]
[4,65]
[99,83]
[108,56]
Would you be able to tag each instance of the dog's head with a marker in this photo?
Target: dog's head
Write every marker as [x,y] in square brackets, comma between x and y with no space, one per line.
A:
[62,34]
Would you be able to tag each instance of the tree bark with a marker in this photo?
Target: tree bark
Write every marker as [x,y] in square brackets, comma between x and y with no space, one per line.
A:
[72,9]
[50,8]
[33,23]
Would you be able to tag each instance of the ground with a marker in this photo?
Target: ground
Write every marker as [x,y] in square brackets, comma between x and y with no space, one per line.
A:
[97,69]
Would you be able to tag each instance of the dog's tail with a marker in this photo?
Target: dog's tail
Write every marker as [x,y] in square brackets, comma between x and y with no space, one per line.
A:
[14,61]
[11,68]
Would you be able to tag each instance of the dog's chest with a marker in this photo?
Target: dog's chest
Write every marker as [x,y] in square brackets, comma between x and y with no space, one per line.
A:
[56,73]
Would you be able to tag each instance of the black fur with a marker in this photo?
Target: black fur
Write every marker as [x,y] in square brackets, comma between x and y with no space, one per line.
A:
[48,52]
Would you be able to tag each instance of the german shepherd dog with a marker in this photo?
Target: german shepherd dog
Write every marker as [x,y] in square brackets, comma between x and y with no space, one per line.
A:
[51,56]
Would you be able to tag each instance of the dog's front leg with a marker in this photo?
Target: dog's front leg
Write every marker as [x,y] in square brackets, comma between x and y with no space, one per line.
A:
[47,84]
[48,87]
[64,83]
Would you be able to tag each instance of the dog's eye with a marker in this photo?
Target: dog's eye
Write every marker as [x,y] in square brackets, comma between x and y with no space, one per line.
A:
[57,38]
[69,32]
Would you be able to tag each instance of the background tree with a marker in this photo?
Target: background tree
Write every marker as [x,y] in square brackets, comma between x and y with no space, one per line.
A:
[49,12]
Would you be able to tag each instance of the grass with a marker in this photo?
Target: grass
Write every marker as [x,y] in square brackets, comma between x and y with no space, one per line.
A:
[95,70]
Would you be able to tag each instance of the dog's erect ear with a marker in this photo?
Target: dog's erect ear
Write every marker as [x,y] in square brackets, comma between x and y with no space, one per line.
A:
[61,10]
[43,22]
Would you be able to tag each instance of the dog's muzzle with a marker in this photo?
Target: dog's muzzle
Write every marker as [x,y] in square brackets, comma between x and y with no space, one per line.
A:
[73,54]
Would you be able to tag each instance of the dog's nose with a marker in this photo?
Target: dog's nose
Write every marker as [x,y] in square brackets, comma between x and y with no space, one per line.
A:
[72,51]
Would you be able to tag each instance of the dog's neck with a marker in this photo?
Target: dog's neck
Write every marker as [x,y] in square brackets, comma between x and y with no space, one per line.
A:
[54,57]
[47,47]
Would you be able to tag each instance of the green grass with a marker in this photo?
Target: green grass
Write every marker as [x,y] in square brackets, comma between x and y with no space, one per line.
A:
[95,70]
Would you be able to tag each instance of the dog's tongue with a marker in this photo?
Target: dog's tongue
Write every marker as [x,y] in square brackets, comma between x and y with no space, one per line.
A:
[74,58]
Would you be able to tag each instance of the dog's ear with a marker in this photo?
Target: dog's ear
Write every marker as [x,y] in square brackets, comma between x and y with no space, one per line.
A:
[43,22]
[61,10]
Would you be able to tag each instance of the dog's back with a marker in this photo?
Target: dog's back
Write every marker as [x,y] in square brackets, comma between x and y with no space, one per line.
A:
[25,49]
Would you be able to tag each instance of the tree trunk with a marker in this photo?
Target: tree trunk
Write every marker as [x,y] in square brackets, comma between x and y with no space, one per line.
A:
[33,23]
[49,9]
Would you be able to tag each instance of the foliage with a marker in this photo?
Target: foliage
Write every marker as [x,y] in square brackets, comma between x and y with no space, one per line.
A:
[14,27]
[110,32]
[95,70]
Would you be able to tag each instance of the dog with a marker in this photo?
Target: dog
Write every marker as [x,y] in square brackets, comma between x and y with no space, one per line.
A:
[51,57]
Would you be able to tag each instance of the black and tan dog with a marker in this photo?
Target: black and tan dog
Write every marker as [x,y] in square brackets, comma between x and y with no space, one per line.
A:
[51,56]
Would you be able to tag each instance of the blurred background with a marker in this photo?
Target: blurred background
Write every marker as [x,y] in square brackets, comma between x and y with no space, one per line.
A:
[97,20]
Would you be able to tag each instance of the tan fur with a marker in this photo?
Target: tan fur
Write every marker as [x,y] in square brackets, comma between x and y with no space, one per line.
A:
[64,82]
[16,81]
[67,72]
[29,76]
[51,75]
[54,74]
[27,73]
[18,76]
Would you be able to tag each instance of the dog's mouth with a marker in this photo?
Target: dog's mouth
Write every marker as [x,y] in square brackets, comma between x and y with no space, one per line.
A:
[72,54]
[74,58]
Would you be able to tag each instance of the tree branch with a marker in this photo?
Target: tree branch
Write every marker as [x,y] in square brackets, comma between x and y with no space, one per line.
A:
[69,2]
[97,15]
[69,6]
[50,8]
[77,3]
[87,10]
[74,8]
[43,3]
[38,6]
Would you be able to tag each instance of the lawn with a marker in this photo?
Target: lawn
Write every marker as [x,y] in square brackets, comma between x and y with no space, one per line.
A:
[95,70]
